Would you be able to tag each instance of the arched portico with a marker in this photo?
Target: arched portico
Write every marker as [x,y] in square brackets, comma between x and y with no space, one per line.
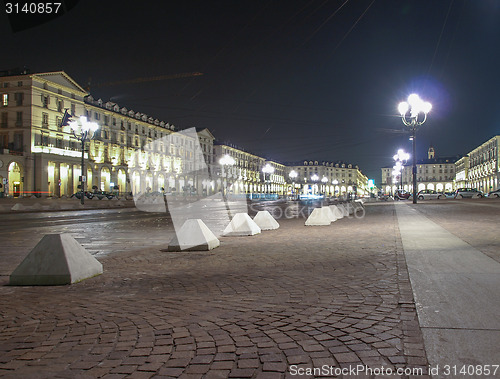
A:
[15,185]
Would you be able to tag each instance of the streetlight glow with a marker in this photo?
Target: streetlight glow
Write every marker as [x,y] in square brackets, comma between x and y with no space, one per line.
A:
[416,107]
[403,108]
[293,175]
[426,107]
[227,160]
[83,126]
[268,169]
[83,129]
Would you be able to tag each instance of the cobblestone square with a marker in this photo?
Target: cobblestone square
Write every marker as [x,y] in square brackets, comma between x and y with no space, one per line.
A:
[337,295]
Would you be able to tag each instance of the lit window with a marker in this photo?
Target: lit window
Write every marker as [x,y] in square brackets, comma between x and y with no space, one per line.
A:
[5,99]
[45,120]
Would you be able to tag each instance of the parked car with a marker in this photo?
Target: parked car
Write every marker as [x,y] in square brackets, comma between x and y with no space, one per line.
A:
[78,195]
[467,193]
[495,193]
[402,195]
[449,194]
[429,195]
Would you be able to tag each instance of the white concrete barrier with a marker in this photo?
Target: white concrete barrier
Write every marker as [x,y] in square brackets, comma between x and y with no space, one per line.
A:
[318,217]
[337,212]
[241,225]
[194,235]
[265,221]
[57,259]
[330,213]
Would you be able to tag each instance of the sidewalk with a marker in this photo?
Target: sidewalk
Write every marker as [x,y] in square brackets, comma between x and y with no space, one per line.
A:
[456,291]
[295,298]
[8,205]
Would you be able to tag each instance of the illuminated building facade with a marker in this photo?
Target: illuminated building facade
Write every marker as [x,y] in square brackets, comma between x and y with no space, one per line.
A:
[131,152]
[484,167]
[462,172]
[327,178]
[432,173]
[246,175]
[37,155]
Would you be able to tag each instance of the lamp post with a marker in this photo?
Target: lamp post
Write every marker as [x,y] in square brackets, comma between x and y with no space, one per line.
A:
[267,170]
[396,173]
[226,161]
[417,109]
[335,182]
[293,175]
[401,157]
[83,129]
[314,179]
[324,179]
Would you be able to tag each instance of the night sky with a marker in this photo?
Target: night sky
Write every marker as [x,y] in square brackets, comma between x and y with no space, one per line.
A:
[287,79]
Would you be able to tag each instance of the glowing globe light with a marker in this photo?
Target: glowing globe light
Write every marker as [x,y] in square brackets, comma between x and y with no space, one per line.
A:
[418,110]
[227,160]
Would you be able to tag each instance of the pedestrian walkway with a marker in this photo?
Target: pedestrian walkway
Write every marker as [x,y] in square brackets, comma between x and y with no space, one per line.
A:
[456,290]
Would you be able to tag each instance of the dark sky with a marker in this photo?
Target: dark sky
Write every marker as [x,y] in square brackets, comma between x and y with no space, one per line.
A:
[287,79]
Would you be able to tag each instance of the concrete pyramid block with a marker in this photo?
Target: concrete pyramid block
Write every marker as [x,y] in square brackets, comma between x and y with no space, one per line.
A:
[194,235]
[56,259]
[265,221]
[337,212]
[241,225]
[319,216]
[18,207]
[330,214]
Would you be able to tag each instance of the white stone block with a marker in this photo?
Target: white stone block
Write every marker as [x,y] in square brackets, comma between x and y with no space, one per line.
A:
[241,225]
[194,235]
[337,212]
[318,217]
[265,221]
[330,213]
[57,259]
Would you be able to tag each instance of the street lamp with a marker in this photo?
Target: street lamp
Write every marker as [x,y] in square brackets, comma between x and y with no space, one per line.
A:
[417,110]
[401,157]
[314,178]
[324,179]
[293,175]
[267,170]
[83,129]
[396,173]
[226,161]
[335,182]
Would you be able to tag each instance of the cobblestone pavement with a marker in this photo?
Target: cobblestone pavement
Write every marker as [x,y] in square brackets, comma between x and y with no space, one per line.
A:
[337,295]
